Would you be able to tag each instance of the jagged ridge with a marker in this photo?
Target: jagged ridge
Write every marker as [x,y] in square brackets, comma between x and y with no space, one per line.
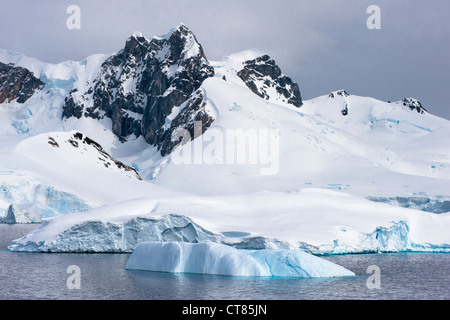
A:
[138,87]
[262,74]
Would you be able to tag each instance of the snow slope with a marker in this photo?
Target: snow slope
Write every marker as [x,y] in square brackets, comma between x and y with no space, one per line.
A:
[302,180]
[379,148]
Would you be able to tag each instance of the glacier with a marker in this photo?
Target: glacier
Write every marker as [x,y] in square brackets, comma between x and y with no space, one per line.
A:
[219,259]
[438,204]
[104,236]
[394,238]
[358,226]
[31,201]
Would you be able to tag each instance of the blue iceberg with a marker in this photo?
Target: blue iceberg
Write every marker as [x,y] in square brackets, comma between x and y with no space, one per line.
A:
[220,259]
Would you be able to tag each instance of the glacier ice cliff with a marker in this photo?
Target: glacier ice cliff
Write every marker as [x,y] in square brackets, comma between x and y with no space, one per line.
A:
[394,238]
[214,258]
[31,202]
[125,236]
[105,236]
[15,215]
[437,204]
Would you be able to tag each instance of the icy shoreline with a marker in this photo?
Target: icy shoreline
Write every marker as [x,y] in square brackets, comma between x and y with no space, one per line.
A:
[301,221]
[98,237]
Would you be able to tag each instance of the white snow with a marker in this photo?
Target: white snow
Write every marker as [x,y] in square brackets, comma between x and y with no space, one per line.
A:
[138,34]
[166,36]
[192,47]
[62,152]
[213,258]
[236,60]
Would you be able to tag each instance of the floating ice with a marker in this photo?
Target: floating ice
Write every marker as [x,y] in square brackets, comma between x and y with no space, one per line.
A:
[214,258]
[107,236]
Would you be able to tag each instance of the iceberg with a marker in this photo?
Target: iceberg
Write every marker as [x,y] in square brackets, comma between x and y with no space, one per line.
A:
[107,236]
[220,259]
[15,215]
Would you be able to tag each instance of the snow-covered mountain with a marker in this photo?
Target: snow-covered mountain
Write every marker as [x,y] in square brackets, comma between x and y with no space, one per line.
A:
[225,151]
[138,87]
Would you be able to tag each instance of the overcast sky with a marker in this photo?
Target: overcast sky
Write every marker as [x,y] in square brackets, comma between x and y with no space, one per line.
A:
[323,45]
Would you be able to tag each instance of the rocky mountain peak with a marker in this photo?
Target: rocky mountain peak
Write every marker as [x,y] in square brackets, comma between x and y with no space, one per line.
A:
[138,87]
[343,94]
[264,78]
[136,45]
[338,93]
[414,104]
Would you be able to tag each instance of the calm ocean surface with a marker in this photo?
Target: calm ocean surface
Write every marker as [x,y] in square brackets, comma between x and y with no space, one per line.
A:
[33,276]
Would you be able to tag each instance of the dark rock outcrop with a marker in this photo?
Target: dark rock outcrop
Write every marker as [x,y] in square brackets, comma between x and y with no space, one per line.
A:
[262,74]
[17,83]
[344,111]
[338,93]
[138,87]
[78,139]
[343,94]
[192,113]
[414,104]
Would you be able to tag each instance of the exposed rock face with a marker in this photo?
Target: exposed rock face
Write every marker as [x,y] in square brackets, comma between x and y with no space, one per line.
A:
[193,111]
[265,79]
[17,83]
[139,87]
[414,104]
[340,93]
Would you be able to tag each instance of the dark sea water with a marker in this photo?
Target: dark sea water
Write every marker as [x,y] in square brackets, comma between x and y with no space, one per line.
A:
[31,276]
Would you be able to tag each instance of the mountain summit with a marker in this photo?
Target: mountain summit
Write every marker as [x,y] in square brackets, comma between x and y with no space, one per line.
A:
[138,87]
[150,88]
[142,86]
